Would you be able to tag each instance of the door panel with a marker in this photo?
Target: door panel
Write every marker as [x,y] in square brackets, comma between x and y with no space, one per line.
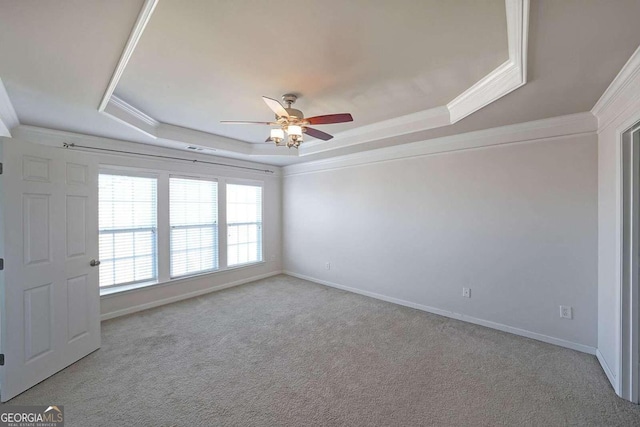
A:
[37,321]
[76,226]
[50,293]
[35,169]
[78,303]
[36,228]
[76,174]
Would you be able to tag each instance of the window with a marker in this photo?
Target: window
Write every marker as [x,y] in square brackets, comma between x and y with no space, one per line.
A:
[127,228]
[244,224]
[193,216]
[156,226]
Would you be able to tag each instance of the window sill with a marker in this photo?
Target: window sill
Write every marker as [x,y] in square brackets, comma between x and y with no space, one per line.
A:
[115,290]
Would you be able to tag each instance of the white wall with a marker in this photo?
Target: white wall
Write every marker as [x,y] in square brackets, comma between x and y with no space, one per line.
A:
[516,223]
[617,110]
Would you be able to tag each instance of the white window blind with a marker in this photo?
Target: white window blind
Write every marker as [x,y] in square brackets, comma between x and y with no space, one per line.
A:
[127,226]
[193,216]
[244,224]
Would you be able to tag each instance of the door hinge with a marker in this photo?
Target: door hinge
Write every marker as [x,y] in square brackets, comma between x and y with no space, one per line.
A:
[1,263]
[1,359]
[0,168]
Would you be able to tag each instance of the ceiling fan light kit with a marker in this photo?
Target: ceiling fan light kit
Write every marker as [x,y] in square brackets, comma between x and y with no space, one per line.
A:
[292,121]
[277,136]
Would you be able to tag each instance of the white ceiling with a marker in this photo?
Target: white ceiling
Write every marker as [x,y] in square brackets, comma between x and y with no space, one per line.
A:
[199,62]
[212,61]
[56,59]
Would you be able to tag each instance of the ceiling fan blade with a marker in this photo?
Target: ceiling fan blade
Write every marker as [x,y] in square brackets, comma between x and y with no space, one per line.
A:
[276,107]
[318,134]
[330,118]
[235,122]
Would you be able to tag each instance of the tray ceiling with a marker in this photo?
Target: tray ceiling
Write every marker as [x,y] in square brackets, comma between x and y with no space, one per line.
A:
[211,61]
[189,64]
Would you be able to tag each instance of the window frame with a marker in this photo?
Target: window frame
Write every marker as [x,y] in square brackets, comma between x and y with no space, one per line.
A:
[248,182]
[162,262]
[218,224]
[134,173]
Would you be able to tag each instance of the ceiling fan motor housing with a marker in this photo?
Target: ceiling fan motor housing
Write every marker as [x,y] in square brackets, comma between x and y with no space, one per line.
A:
[295,113]
[289,99]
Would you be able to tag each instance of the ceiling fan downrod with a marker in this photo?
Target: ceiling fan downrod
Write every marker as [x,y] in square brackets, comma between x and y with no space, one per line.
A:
[289,99]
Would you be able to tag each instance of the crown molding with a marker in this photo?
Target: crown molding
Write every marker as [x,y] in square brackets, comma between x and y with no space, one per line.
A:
[206,139]
[509,76]
[135,118]
[138,28]
[414,122]
[504,79]
[131,116]
[57,138]
[620,93]
[518,34]
[8,116]
[538,130]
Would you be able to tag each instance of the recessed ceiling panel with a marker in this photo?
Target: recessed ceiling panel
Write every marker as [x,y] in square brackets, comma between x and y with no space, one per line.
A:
[199,62]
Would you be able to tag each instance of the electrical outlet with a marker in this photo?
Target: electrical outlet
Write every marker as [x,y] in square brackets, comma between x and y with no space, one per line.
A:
[566,312]
[327,266]
[466,292]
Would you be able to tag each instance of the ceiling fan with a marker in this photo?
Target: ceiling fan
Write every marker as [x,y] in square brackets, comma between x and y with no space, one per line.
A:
[294,123]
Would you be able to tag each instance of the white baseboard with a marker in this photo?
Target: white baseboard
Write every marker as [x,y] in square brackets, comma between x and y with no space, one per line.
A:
[446,313]
[157,303]
[607,370]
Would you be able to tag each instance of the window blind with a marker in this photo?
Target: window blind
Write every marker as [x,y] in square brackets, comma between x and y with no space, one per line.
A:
[127,229]
[244,224]
[193,216]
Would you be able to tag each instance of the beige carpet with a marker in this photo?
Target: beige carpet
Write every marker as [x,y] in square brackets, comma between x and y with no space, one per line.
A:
[284,351]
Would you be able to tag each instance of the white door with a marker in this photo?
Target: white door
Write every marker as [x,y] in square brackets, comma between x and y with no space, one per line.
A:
[50,295]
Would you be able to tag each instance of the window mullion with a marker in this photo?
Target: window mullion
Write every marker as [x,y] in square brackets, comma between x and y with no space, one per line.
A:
[163,234]
[222,224]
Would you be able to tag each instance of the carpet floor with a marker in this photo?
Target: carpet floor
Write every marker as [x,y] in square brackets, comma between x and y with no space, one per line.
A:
[287,352]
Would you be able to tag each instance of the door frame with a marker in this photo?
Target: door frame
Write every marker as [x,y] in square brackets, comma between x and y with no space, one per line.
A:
[628,137]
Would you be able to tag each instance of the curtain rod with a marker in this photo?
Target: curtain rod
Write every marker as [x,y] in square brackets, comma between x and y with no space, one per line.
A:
[72,145]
